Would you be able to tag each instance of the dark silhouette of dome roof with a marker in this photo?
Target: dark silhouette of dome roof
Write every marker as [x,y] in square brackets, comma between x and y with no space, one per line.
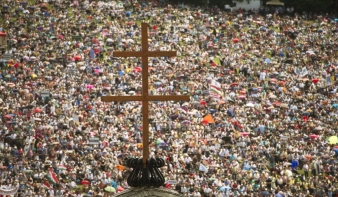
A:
[148,192]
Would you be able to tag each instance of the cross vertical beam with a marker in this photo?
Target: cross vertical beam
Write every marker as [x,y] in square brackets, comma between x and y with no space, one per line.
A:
[145,92]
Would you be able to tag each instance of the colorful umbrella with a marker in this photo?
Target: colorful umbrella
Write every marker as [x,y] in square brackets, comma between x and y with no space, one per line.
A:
[333,140]
[77,58]
[85,182]
[242,92]
[208,119]
[7,116]
[43,5]
[276,103]
[241,97]
[233,84]
[110,189]
[119,167]
[137,69]
[281,83]
[186,122]
[205,122]
[38,110]
[220,102]
[158,141]
[244,134]
[120,189]
[10,85]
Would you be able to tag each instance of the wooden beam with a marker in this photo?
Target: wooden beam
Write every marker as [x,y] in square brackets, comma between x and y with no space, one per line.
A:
[144,54]
[121,98]
[145,91]
[145,98]
[168,98]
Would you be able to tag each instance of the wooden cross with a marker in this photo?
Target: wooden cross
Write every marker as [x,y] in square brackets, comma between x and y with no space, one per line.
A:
[145,98]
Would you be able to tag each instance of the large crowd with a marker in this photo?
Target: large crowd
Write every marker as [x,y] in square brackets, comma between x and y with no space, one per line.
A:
[269,128]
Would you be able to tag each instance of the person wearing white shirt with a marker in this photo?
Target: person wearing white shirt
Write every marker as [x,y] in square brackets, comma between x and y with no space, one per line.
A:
[262,76]
[207,190]
[51,192]
[196,194]
[187,159]
[184,189]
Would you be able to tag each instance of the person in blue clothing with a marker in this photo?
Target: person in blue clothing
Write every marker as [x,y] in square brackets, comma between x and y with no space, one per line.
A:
[294,164]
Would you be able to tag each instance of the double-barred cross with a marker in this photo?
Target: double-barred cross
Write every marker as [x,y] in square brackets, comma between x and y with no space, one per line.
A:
[145,97]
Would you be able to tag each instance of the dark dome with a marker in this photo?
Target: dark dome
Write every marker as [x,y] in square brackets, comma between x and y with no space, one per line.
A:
[148,192]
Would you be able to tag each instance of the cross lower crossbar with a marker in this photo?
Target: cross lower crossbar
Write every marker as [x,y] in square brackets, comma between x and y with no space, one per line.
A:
[144,54]
[145,98]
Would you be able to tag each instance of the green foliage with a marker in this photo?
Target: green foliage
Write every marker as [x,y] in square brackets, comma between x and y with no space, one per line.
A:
[309,5]
[194,2]
[299,5]
[220,3]
[241,1]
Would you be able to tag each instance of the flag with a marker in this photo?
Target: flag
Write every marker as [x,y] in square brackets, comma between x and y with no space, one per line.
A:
[215,89]
[183,111]
[246,166]
[51,176]
[46,185]
[208,119]
[297,71]
[62,167]
[328,81]
[304,72]
[203,168]
[30,186]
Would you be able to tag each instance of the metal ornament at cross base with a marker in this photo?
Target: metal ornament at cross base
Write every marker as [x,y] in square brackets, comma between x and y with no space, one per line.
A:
[146,170]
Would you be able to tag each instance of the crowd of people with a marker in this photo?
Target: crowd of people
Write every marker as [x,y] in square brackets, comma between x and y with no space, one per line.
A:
[261,121]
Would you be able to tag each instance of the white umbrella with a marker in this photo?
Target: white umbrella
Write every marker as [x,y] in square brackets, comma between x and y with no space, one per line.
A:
[193,112]
[272,96]
[286,172]
[185,104]
[319,128]
[250,105]
[130,41]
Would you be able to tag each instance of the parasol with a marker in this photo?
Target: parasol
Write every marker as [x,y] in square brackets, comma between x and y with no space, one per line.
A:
[85,182]
[333,140]
[38,110]
[119,167]
[110,189]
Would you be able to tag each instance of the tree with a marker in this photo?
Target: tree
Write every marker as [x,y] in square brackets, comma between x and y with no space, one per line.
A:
[299,5]
[243,1]
[309,5]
